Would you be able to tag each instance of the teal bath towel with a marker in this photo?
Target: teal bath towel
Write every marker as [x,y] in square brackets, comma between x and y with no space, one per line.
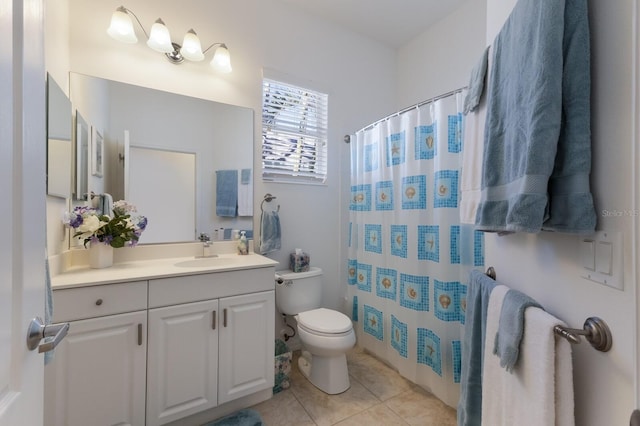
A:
[537,150]
[227,193]
[470,402]
[270,234]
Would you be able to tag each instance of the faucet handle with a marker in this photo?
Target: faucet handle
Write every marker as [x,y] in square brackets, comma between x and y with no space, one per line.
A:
[204,237]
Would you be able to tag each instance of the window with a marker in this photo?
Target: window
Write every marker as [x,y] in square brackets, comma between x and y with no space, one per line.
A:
[294,133]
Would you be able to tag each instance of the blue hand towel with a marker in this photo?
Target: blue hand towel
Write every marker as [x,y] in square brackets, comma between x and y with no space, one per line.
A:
[470,402]
[269,232]
[537,124]
[227,193]
[476,83]
[511,327]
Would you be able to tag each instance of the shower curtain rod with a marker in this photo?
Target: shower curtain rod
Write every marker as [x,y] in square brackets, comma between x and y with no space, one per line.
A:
[347,138]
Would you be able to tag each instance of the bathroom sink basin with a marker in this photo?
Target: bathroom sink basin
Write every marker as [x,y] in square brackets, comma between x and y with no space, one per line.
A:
[204,262]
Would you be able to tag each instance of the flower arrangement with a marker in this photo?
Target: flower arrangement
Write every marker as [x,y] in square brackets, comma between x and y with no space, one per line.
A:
[115,231]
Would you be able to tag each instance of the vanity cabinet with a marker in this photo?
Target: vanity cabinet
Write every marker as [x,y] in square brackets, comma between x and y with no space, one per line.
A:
[156,351]
[98,373]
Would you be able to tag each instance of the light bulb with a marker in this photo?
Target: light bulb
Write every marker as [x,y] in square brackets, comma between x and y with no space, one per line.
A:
[191,48]
[159,38]
[221,59]
[121,27]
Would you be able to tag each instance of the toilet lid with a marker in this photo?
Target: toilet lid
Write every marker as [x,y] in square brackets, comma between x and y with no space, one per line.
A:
[325,321]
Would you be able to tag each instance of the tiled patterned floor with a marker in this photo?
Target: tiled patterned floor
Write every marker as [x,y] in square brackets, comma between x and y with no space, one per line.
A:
[378,396]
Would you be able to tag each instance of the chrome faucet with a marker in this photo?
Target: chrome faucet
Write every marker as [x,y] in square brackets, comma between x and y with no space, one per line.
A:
[206,246]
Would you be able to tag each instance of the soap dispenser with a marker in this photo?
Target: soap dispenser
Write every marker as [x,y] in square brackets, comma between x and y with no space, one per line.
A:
[243,246]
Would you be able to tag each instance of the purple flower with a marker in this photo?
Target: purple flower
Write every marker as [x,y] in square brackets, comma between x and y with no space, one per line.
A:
[75,220]
[142,223]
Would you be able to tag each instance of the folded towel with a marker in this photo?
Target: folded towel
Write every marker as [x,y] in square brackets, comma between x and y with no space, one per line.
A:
[537,124]
[540,389]
[227,193]
[245,193]
[470,402]
[476,83]
[511,327]
[269,232]
[471,170]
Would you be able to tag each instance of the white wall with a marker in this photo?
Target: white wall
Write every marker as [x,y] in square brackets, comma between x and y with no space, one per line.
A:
[440,59]
[546,266]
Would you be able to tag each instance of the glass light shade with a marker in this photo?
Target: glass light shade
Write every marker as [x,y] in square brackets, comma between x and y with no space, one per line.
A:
[191,48]
[221,59]
[159,38]
[121,27]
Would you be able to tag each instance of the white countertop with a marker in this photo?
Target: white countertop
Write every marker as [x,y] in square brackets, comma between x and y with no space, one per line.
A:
[154,268]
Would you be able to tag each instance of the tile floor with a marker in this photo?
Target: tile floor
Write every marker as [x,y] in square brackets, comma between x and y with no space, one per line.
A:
[378,396]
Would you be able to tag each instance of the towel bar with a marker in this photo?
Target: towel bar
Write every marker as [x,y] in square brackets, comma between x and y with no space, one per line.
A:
[491,272]
[595,330]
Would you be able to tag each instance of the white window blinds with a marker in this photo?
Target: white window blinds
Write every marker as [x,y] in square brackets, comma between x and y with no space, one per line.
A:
[294,133]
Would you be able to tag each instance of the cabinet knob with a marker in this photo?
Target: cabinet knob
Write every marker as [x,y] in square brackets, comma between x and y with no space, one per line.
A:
[98,302]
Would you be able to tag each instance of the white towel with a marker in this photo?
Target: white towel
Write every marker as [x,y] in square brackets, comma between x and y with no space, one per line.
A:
[472,155]
[539,392]
[245,195]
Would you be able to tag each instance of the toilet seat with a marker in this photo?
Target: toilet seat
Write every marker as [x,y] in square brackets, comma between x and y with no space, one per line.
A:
[325,322]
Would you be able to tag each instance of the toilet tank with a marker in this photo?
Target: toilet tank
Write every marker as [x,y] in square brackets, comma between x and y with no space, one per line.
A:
[298,291]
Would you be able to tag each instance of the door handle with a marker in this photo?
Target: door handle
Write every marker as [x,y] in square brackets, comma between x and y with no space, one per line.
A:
[38,331]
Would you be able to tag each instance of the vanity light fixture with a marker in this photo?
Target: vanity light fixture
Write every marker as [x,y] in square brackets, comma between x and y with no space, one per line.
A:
[159,39]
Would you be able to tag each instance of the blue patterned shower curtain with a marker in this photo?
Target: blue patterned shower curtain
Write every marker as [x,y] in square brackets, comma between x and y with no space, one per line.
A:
[409,256]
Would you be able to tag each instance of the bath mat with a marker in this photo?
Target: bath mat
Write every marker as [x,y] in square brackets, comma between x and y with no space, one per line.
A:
[239,418]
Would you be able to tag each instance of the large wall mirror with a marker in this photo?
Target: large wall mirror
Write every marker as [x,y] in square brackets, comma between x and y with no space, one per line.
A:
[127,138]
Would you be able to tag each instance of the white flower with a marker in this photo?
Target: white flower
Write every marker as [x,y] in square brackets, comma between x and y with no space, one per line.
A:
[90,225]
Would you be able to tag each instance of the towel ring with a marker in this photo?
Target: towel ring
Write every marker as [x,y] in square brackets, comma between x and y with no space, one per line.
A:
[268,198]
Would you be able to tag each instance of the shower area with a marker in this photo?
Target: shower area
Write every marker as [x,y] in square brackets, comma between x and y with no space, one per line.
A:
[409,256]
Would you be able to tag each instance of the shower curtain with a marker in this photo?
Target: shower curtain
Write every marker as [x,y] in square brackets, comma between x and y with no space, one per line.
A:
[409,256]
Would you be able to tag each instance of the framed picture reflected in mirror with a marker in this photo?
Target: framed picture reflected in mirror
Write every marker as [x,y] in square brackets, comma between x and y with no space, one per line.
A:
[97,152]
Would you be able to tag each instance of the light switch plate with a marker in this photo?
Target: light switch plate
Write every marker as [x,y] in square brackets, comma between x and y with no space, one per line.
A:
[588,254]
[607,252]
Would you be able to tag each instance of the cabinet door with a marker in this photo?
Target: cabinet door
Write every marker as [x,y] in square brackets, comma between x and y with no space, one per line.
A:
[246,345]
[182,367]
[97,376]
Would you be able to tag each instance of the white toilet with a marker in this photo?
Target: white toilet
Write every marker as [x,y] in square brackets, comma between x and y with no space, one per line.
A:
[325,334]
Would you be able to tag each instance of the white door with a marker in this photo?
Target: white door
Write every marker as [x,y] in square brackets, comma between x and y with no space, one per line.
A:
[22,210]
